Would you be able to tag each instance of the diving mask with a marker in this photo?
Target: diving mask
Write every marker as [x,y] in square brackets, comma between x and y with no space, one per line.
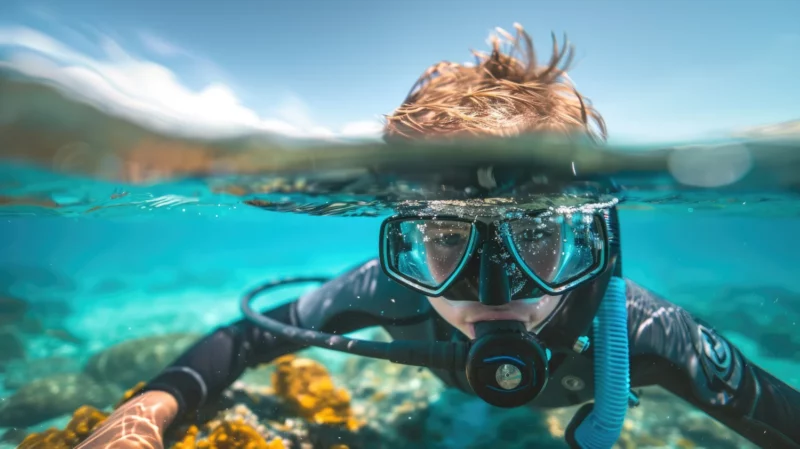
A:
[526,255]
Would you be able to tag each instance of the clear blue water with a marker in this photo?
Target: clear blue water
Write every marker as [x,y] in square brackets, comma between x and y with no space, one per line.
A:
[187,273]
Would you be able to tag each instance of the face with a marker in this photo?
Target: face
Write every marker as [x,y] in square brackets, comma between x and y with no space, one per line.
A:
[445,245]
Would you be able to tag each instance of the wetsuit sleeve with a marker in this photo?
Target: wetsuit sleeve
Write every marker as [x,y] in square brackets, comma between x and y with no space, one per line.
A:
[213,363]
[348,303]
[673,349]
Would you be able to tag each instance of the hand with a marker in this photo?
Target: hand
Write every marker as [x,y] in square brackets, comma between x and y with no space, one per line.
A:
[137,424]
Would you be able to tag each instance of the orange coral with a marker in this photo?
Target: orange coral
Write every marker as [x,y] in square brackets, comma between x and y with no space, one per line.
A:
[130,393]
[83,422]
[189,440]
[228,435]
[49,439]
[232,435]
[306,386]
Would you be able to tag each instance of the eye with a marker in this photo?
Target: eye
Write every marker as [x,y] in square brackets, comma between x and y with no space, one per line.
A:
[533,235]
[449,239]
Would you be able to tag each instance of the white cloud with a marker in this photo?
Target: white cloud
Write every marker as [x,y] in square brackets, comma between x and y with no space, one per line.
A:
[362,129]
[152,94]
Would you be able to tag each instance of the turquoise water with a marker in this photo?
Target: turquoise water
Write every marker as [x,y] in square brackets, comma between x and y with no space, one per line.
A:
[108,280]
[105,281]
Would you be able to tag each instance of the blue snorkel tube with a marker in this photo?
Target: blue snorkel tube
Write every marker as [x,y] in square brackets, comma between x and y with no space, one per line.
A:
[598,425]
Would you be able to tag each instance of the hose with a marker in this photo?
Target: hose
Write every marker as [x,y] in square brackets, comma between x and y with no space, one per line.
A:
[602,428]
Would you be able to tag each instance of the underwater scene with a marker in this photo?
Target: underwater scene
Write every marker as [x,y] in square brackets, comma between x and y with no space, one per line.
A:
[145,212]
[151,288]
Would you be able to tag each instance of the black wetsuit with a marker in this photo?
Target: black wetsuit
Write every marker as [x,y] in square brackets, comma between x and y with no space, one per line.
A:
[668,347]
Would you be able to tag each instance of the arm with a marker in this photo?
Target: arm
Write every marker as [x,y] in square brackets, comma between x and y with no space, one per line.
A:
[199,374]
[212,364]
[672,349]
[361,298]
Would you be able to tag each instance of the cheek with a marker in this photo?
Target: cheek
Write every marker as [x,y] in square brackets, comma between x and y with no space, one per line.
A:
[453,315]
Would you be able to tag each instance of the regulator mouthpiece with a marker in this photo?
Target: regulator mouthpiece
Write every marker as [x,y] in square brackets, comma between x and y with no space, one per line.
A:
[506,366]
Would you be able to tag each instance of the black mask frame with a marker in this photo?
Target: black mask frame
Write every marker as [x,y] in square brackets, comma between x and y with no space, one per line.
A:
[484,259]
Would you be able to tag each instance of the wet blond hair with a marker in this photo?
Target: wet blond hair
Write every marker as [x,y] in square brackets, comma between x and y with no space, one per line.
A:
[506,93]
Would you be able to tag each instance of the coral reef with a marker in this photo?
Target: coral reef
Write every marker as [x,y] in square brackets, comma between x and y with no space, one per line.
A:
[307,387]
[227,432]
[228,435]
[304,386]
[84,421]
[130,393]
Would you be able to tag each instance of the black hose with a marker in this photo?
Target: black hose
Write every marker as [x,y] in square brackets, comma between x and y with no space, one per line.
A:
[436,355]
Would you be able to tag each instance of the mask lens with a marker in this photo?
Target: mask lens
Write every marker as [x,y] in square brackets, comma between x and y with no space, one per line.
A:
[558,249]
[427,252]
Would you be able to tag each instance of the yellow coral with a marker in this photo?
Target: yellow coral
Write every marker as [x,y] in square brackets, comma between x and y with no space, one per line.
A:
[189,440]
[49,439]
[84,421]
[130,393]
[236,435]
[306,385]
[276,443]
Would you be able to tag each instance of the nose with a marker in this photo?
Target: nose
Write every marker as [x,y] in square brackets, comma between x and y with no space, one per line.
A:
[494,287]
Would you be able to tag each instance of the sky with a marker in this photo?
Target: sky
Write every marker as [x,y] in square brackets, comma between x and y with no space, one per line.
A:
[656,70]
